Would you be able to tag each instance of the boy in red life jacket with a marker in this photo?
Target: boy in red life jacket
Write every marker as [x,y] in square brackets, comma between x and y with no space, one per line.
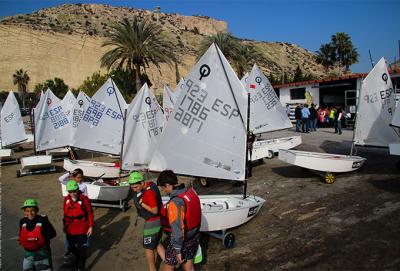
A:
[35,232]
[184,216]
[78,222]
[147,200]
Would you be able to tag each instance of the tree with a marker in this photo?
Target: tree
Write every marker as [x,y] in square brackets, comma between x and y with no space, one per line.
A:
[246,57]
[339,51]
[298,75]
[57,85]
[21,79]
[326,56]
[136,45]
[93,83]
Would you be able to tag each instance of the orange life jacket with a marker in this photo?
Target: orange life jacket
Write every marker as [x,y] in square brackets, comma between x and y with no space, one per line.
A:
[32,240]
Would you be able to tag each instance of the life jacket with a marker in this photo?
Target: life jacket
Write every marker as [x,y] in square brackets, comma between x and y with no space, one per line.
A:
[32,240]
[143,212]
[164,218]
[75,215]
[192,219]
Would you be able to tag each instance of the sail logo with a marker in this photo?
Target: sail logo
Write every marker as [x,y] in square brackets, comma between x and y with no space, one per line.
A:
[252,211]
[205,71]
[216,164]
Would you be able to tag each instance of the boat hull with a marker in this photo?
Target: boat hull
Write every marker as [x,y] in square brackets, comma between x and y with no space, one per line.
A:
[6,154]
[325,162]
[93,169]
[36,162]
[394,149]
[221,212]
[58,152]
[263,148]
[103,192]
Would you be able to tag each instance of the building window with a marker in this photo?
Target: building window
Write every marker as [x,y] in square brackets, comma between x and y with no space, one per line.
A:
[297,93]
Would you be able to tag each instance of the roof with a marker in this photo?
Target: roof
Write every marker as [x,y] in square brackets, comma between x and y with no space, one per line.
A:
[329,79]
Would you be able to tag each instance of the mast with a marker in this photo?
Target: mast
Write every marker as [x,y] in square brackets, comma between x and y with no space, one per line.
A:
[248,163]
[33,128]
[122,144]
[353,146]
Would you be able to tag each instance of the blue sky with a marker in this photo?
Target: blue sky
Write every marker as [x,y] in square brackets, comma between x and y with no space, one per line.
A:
[372,24]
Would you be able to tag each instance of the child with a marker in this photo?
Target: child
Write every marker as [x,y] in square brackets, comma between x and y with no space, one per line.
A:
[78,222]
[35,232]
[78,177]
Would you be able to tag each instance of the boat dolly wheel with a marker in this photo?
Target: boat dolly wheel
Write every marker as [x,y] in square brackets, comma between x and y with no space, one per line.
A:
[228,240]
[271,154]
[329,178]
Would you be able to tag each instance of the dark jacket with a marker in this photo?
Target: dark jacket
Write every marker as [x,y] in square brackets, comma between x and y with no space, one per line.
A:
[313,113]
[297,113]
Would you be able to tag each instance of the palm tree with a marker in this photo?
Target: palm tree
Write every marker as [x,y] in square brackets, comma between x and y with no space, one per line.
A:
[345,52]
[136,45]
[21,79]
[241,55]
[326,56]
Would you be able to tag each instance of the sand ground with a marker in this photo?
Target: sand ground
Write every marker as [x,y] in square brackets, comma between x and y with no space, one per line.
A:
[352,224]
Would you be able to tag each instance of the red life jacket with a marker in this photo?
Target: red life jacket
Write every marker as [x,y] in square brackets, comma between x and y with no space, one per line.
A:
[193,209]
[75,216]
[192,219]
[32,240]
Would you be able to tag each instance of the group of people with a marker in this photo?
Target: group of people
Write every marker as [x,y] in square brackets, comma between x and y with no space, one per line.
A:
[170,230]
[307,119]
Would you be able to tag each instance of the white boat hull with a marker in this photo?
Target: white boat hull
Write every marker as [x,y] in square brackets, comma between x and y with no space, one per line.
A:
[36,162]
[394,149]
[93,169]
[325,162]
[6,154]
[267,148]
[222,212]
[101,191]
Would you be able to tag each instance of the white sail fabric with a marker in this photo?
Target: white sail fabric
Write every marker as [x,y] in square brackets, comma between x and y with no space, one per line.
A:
[396,117]
[101,126]
[169,99]
[206,134]
[266,111]
[12,129]
[77,112]
[375,109]
[244,79]
[144,123]
[51,123]
[68,103]
[179,88]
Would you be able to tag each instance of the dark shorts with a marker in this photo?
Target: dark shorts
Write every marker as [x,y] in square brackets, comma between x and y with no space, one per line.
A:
[152,232]
[188,251]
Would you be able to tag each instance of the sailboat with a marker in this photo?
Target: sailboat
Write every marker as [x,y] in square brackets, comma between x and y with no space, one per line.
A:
[266,115]
[144,123]
[97,125]
[169,98]
[12,131]
[376,106]
[206,137]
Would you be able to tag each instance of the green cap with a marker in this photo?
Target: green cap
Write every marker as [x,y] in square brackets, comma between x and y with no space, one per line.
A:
[135,177]
[72,185]
[30,203]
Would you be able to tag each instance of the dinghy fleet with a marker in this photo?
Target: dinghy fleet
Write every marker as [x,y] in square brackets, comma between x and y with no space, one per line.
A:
[201,131]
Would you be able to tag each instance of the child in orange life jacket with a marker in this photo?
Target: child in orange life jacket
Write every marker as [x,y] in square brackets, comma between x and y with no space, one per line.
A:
[147,200]
[184,216]
[78,222]
[34,235]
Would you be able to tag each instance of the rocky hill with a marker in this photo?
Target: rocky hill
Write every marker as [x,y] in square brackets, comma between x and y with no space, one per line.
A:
[65,41]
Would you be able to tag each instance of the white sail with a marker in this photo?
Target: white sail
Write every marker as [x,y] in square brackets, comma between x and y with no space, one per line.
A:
[51,123]
[169,99]
[101,126]
[77,112]
[266,111]
[68,103]
[11,125]
[143,128]
[179,88]
[244,79]
[206,134]
[375,109]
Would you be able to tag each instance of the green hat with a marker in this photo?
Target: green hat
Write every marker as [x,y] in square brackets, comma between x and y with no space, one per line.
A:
[30,203]
[135,177]
[72,185]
